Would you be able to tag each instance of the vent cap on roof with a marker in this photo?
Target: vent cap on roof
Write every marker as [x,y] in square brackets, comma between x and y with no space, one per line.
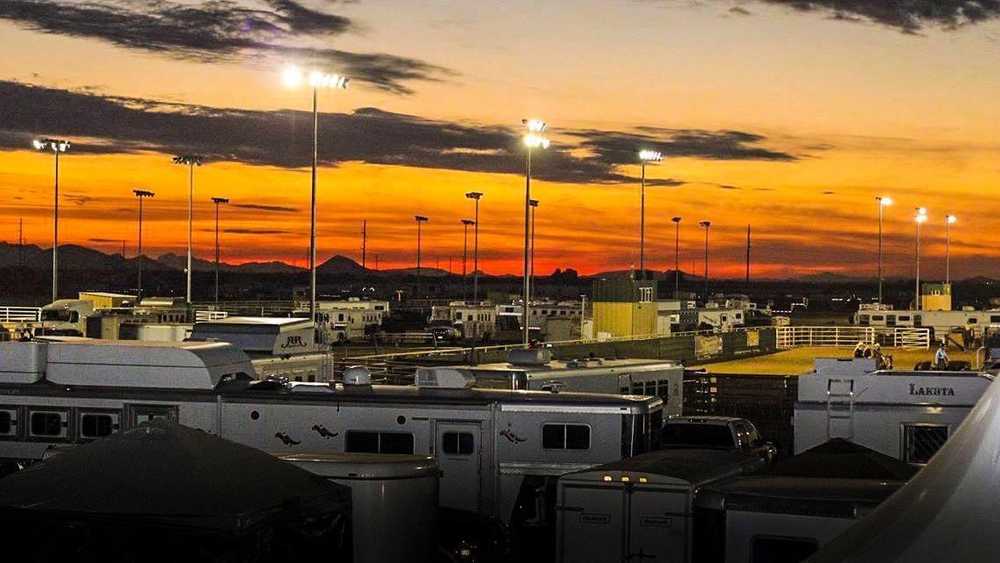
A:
[529,357]
[444,378]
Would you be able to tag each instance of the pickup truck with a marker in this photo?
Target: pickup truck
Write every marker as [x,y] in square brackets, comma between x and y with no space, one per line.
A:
[715,432]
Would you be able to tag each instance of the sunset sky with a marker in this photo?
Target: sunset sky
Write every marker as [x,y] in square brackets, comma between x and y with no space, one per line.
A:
[788,115]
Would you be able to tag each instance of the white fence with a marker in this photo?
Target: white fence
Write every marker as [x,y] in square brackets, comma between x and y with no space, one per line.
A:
[794,336]
[20,314]
[203,316]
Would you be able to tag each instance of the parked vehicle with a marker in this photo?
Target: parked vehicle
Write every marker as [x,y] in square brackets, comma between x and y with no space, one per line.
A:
[716,432]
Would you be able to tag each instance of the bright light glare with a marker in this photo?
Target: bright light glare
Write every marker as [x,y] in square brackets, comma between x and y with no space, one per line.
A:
[885,200]
[651,156]
[921,211]
[535,125]
[38,144]
[291,76]
[535,141]
[920,218]
[952,219]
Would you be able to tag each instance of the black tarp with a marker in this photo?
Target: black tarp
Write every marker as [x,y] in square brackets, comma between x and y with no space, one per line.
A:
[841,459]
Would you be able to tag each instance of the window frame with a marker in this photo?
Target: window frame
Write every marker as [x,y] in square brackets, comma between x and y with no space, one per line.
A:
[378,441]
[116,422]
[906,440]
[565,438]
[15,422]
[66,424]
[458,443]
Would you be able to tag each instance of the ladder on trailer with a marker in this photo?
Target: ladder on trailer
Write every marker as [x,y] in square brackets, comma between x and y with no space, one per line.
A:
[839,407]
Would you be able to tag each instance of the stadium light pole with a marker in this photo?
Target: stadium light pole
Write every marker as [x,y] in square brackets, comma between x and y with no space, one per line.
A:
[140,195]
[920,218]
[465,255]
[57,146]
[534,208]
[882,202]
[645,156]
[217,201]
[706,225]
[948,222]
[420,219]
[533,139]
[475,247]
[293,77]
[189,160]
[677,255]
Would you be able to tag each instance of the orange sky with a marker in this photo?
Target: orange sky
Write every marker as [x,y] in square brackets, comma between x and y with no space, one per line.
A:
[865,110]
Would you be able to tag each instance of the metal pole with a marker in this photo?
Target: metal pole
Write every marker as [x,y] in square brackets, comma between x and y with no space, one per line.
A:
[947,252]
[364,244]
[55,235]
[880,212]
[706,263]
[916,298]
[465,255]
[312,214]
[677,259]
[531,286]
[748,254]
[190,230]
[475,257]
[217,251]
[642,222]
[527,241]
[418,254]
[139,249]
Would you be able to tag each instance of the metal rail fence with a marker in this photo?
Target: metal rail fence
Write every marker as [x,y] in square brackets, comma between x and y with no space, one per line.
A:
[20,314]
[900,337]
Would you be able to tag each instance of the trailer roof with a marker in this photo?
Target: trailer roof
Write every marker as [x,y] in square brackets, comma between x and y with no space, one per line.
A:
[598,364]
[694,465]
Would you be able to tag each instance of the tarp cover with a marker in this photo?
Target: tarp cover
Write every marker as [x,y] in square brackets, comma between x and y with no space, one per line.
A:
[840,459]
[164,473]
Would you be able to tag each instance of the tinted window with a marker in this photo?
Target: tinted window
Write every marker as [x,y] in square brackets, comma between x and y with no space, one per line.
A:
[922,442]
[96,425]
[379,442]
[363,442]
[565,436]
[458,443]
[706,435]
[46,424]
[781,550]
[6,423]
[395,443]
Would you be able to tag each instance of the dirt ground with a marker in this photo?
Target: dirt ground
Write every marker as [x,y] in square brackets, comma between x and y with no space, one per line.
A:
[800,360]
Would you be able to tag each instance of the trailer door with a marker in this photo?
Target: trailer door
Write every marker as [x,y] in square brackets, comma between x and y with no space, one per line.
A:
[459,454]
[659,521]
[590,523]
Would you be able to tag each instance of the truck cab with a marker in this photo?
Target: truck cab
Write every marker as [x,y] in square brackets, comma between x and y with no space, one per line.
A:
[65,317]
[716,432]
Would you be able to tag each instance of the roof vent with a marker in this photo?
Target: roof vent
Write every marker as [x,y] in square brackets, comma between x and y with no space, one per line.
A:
[444,378]
[357,375]
[529,357]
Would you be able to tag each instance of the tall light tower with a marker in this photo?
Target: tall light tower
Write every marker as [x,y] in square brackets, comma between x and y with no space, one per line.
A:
[420,219]
[57,147]
[949,220]
[217,201]
[533,139]
[475,247]
[531,262]
[140,195]
[293,77]
[644,157]
[919,218]
[706,225]
[882,202]
[465,254]
[189,160]
[677,255]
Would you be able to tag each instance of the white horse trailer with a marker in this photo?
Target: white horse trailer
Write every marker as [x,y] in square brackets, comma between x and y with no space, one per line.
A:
[904,414]
[497,449]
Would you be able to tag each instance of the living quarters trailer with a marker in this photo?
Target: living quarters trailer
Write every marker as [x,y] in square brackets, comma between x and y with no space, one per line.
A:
[904,414]
[272,336]
[641,508]
[498,450]
[533,370]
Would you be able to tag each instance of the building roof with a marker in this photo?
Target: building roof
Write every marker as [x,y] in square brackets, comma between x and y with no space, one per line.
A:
[261,321]
[694,466]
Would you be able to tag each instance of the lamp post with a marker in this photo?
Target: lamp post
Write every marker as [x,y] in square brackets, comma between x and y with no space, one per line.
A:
[217,201]
[140,195]
[189,160]
[57,146]
[531,262]
[644,157]
[465,253]
[293,77]
[920,218]
[677,255]
[882,202]
[475,247]
[420,219]
[948,222]
[532,139]
[706,225]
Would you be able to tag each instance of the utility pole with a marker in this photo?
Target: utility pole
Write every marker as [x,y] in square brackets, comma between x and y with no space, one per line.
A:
[364,243]
[748,254]
[20,242]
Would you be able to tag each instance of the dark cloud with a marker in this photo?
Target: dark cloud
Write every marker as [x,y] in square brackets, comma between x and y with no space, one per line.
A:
[728,187]
[104,240]
[113,125]
[219,31]
[615,147]
[272,208]
[909,16]
[828,193]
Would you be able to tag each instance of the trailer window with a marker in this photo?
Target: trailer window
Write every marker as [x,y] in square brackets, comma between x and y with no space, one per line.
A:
[458,443]
[922,441]
[47,424]
[96,425]
[379,442]
[6,423]
[565,436]
[772,549]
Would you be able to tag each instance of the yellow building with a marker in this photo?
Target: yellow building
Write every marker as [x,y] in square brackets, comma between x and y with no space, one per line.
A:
[104,300]
[935,297]
[624,307]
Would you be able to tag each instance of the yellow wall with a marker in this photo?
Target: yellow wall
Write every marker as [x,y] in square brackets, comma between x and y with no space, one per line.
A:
[935,302]
[624,319]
